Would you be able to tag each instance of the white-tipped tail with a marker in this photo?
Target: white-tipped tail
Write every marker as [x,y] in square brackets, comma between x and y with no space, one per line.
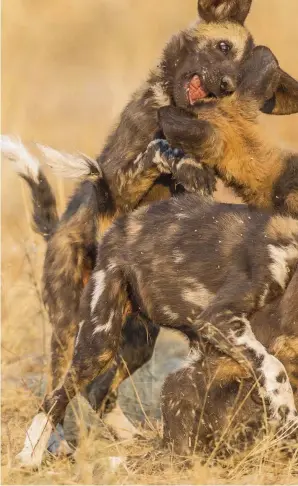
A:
[25,163]
[69,165]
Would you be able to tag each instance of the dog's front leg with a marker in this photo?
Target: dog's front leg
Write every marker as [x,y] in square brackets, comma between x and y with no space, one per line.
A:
[187,171]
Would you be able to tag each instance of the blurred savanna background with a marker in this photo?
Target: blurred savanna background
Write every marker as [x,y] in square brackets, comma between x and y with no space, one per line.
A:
[68,68]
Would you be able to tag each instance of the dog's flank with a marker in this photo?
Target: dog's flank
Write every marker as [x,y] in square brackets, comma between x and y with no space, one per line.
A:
[45,216]
[222,282]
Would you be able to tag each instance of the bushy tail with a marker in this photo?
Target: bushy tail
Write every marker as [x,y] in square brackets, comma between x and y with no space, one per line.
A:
[93,192]
[71,166]
[45,214]
[92,198]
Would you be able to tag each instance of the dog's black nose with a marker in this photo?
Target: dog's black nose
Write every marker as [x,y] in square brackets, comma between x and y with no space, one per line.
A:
[227,85]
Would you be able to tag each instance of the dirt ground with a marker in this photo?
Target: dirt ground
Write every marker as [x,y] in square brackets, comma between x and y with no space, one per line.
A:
[68,67]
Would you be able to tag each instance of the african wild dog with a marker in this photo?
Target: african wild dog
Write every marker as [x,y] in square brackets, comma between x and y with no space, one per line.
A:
[71,249]
[226,137]
[208,268]
[212,403]
[211,52]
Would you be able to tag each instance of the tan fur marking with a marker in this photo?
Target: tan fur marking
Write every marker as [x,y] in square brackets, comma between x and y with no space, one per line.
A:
[172,229]
[189,161]
[229,370]
[235,33]
[243,155]
[282,226]
[292,202]
[104,223]
[86,276]
[106,356]
[158,192]
[285,347]
[133,190]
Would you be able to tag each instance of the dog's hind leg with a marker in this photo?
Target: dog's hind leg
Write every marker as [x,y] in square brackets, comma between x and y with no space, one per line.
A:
[137,345]
[96,346]
[225,324]
[69,260]
[100,323]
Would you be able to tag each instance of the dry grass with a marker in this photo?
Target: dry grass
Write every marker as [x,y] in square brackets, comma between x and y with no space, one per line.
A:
[68,68]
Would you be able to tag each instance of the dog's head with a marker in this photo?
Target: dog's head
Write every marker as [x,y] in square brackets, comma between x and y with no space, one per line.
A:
[205,61]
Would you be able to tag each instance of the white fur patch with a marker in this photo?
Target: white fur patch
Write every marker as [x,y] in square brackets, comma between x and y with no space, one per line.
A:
[161,163]
[160,97]
[264,295]
[195,355]
[111,266]
[178,256]
[37,437]
[182,216]
[197,294]
[271,367]
[79,332]
[115,462]
[173,316]
[120,424]
[99,286]
[188,161]
[24,163]
[105,327]
[69,165]
[281,256]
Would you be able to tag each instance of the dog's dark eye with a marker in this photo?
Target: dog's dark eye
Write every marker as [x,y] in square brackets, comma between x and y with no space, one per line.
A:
[224,47]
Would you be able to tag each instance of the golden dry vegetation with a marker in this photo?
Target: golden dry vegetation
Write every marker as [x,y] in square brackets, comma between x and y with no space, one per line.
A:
[69,66]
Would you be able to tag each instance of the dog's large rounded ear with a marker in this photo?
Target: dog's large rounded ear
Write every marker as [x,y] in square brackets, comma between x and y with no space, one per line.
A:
[285,100]
[223,10]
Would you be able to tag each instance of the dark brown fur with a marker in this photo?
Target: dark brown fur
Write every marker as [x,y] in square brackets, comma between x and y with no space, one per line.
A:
[212,403]
[227,138]
[191,277]
[129,180]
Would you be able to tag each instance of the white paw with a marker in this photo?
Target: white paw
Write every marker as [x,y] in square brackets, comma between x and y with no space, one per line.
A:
[37,437]
[115,462]
[123,428]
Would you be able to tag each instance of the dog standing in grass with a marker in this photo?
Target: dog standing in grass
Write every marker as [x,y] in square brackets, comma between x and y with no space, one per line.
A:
[208,268]
[198,66]
[98,193]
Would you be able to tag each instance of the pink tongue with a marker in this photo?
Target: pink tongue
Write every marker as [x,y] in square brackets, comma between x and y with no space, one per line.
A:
[195,90]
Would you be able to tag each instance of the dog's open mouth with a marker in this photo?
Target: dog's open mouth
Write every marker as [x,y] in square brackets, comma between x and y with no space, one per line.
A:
[195,91]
